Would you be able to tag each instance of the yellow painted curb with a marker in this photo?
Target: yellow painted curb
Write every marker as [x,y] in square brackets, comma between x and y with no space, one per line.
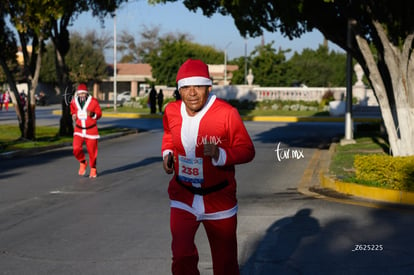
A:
[119,115]
[130,115]
[306,119]
[367,192]
[246,118]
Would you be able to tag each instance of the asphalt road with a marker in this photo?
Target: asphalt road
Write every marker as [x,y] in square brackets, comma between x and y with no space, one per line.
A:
[54,222]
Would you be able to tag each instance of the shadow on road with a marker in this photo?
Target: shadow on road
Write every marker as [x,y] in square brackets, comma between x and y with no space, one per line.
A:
[142,124]
[305,135]
[8,165]
[280,242]
[130,166]
[381,243]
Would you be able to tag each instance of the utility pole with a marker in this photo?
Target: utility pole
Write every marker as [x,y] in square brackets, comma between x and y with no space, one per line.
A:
[349,137]
[225,63]
[245,60]
[115,92]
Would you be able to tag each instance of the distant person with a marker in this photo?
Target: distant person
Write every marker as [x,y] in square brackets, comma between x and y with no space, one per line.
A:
[6,100]
[153,100]
[160,100]
[42,99]
[23,100]
[204,138]
[1,100]
[85,112]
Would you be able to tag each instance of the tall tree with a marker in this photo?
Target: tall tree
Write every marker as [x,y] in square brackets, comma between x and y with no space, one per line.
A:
[318,68]
[85,59]
[172,51]
[8,45]
[128,48]
[269,67]
[36,21]
[59,35]
[32,21]
[243,63]
[381,41]
[149,42]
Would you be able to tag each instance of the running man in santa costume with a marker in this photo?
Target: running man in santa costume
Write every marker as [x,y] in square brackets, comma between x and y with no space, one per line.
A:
[205,137]
[85,112]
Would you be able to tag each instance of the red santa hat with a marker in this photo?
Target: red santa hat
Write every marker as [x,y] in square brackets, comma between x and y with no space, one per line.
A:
[81,89]
[193,72]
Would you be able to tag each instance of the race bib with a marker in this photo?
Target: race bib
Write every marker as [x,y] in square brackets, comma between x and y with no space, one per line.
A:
[191,169]
[82,115]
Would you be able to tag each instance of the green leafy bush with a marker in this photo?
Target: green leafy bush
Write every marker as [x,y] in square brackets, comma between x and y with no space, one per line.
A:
[387,171]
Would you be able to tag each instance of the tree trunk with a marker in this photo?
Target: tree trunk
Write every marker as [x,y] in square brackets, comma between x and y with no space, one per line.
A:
[397,112]
[14,96]
[65,86]
[32,65]
[66,123]
[30,127]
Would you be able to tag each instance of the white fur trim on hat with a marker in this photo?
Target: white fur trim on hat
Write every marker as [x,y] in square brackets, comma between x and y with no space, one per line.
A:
[81,92]
[194,81]
[82,89]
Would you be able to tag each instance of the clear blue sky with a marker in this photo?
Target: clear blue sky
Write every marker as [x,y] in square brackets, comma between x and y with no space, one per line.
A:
[218,31]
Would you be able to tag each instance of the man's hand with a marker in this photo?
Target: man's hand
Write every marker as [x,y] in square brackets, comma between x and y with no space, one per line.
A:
[168,163]
[211,150]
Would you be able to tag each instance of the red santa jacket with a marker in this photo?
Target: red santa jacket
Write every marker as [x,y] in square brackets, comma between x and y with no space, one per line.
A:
[219,123]
[86,125]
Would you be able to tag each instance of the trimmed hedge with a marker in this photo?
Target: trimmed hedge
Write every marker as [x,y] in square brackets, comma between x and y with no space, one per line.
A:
[386,171]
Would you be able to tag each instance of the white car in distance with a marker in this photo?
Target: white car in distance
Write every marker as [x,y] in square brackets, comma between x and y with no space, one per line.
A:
[124,96]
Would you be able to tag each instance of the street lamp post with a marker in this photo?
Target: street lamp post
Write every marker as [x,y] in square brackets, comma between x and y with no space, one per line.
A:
[115,92]
[225,63]
[349,137]
[245,61]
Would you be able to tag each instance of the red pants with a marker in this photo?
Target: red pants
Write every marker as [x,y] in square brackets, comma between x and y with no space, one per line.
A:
[221,235]
[91,147]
